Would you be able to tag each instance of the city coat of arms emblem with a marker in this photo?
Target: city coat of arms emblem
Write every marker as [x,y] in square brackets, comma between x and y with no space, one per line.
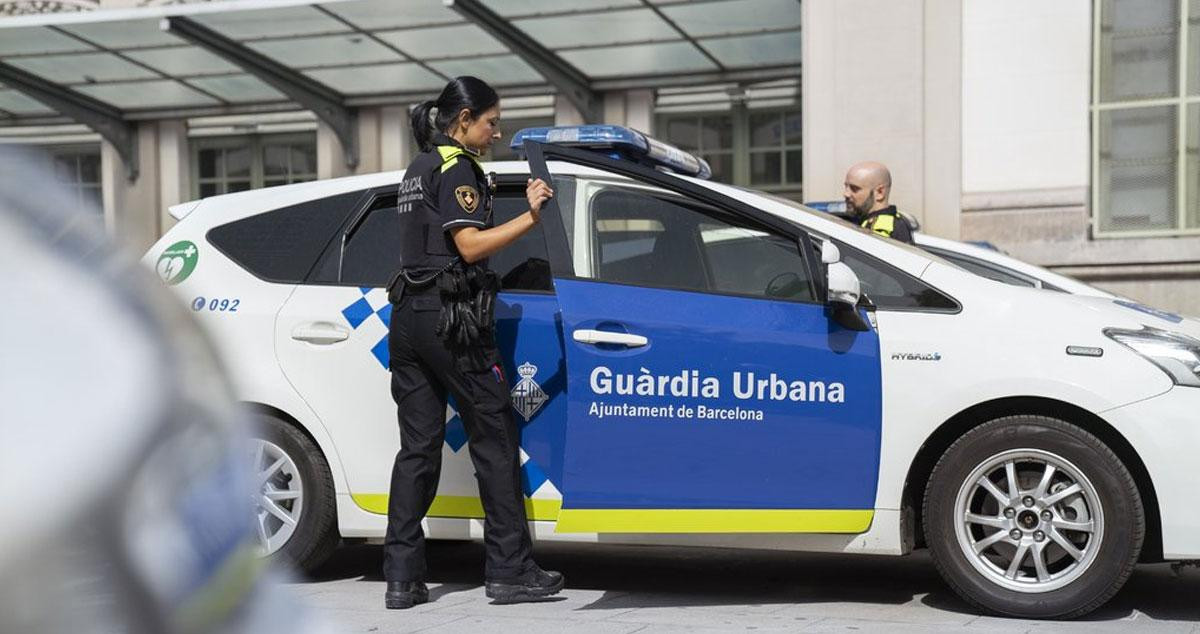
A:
[527,395]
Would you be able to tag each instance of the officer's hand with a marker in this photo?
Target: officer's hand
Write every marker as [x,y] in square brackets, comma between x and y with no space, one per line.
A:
[537,192]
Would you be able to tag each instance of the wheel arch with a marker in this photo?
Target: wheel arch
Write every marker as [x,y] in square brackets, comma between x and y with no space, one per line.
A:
[940,440]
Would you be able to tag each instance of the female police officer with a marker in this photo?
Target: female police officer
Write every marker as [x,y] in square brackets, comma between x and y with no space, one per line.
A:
[441,342]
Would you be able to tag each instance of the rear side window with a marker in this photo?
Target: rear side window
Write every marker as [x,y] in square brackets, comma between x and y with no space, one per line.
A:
[372,251]
[282,245]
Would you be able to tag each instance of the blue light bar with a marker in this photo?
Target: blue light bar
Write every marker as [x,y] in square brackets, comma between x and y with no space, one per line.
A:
[620,143]
[829,206]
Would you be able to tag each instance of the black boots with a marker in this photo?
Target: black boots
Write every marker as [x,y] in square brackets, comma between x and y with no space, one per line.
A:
[531,584]
[402,595]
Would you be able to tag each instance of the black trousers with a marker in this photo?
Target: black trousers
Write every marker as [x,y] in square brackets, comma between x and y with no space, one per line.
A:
[423,373]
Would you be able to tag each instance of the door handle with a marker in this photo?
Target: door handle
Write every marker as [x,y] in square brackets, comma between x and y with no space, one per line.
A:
[320,334]
[603,336]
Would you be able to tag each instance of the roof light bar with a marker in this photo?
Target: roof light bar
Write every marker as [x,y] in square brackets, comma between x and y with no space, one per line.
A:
[620,143]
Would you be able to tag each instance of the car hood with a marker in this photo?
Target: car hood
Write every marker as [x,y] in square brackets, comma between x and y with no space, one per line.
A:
[1128,309]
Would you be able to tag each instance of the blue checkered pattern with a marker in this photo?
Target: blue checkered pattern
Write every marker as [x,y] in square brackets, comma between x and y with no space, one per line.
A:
[358,313]
[532,477]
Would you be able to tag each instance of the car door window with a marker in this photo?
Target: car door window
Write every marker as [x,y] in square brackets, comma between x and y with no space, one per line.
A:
[650,237]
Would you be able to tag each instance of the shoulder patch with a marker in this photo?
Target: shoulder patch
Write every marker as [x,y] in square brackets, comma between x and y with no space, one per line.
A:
[468,198]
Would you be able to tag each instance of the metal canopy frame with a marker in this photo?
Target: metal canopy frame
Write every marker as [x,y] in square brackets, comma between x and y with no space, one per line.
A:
[97,115]
[569,82]
[326,103]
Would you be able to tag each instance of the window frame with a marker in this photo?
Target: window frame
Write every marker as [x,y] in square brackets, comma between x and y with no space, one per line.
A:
[561,255]
[1181,101]
[704,210]
[256,144]
[77,185]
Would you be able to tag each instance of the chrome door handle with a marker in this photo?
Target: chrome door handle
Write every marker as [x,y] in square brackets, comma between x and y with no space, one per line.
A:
[603,336]
[320,334]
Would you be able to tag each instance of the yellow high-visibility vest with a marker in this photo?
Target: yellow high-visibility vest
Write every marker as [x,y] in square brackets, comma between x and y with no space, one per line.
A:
[882,224]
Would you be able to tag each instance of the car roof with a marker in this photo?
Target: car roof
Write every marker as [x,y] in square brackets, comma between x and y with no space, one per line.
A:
[217,210]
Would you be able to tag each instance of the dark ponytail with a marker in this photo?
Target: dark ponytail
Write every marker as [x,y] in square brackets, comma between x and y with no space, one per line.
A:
[462,92]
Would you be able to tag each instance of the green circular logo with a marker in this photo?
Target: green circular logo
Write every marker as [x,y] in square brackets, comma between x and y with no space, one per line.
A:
[177,262]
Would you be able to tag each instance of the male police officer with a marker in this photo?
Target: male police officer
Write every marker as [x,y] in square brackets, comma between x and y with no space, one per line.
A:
[866,192]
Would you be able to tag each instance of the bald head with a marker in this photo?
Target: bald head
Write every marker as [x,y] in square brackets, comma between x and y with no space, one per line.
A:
[867,187]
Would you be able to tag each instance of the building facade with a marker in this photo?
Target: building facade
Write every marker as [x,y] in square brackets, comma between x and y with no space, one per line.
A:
[1066,132]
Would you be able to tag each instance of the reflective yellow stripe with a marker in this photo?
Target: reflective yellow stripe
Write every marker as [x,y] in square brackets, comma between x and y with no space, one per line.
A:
[883,224]
[450,154]
[650,520]
[459,506]
[712,521]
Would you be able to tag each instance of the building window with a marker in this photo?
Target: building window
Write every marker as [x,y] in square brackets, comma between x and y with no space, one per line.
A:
[774,148]
[1146,118]
[709,136]
[757,148]
[234,164]
[78,168]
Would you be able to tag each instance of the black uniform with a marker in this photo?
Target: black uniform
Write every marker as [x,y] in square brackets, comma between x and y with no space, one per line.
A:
[445,188]
[888,223]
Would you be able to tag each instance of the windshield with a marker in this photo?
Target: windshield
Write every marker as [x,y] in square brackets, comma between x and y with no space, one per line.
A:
[847,224]
[1048,280]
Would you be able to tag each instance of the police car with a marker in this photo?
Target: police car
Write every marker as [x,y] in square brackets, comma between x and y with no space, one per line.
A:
[696,364]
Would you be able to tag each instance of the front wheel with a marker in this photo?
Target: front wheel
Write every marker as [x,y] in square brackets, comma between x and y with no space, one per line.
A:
[1033,517]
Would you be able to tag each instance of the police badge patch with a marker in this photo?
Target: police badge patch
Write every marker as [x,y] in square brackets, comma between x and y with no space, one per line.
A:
[527,395]
[467,197]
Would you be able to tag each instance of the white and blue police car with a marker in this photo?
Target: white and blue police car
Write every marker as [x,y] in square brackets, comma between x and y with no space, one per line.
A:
[697,364]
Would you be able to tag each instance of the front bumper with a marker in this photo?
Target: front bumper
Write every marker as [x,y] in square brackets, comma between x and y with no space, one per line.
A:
[1165,432]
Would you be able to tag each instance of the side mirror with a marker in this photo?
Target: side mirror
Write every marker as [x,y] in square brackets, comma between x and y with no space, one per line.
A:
[830,253]
[843,289]
[842,284]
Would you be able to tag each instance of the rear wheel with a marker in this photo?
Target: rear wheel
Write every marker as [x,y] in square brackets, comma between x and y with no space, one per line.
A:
[295,512]
[1033,517]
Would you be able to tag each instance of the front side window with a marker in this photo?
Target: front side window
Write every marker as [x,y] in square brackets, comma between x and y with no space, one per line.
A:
[892,289]
[650,237]
[1146,118]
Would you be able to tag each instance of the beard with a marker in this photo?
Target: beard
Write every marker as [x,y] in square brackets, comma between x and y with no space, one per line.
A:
[857,210]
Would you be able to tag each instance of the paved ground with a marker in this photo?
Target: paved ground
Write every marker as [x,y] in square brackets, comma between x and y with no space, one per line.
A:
[634,589]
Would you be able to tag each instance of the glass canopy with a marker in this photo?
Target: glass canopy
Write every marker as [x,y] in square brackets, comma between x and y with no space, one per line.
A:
[380,50]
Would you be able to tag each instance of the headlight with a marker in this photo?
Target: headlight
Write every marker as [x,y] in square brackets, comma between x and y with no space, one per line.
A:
[1177,355]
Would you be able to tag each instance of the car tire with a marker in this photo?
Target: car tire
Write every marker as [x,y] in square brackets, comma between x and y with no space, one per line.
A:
[292,473]
[1060,545]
